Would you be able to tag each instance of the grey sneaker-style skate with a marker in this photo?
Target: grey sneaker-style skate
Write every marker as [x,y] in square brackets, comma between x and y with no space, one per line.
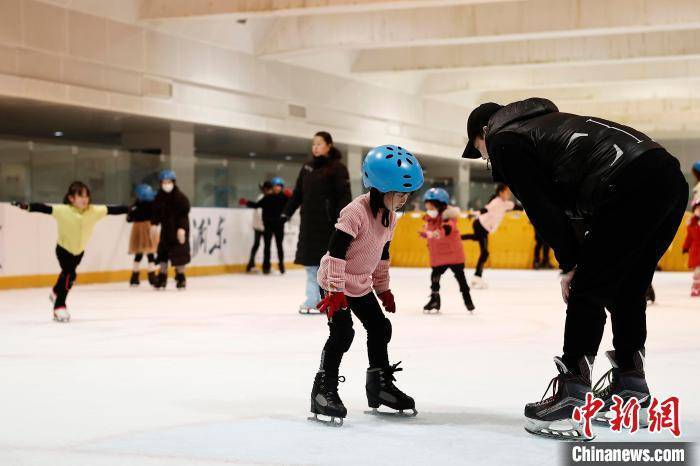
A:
[552,417]
[325,400]
[625,384]
[381,390]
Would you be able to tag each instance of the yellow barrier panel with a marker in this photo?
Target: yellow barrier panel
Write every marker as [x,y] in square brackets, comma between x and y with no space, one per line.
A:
[512,246]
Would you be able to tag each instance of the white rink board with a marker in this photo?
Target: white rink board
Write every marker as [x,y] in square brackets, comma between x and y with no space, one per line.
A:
[217,236]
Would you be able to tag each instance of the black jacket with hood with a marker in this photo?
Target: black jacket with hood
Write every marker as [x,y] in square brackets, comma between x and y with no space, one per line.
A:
[559,165]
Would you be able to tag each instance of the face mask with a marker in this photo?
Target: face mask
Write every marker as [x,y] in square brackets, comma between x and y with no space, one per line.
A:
[432,213]
[167,187]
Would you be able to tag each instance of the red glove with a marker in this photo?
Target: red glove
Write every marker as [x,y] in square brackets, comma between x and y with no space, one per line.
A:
[288,192]
[332,302]
[243,201]
[387,299]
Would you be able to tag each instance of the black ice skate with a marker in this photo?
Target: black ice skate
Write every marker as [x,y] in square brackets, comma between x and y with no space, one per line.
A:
[134,281]
[180,281]
[569,391]
[281,268]
[325,400]
[382,391]
[433,304]
[625,384]
[161,281]
[152,278]
[468,301]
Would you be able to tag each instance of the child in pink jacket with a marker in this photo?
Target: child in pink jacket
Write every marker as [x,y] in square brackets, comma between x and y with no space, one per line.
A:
[444,245]
[356,267]
[692,247]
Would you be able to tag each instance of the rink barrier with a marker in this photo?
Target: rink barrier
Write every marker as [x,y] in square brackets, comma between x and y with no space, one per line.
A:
[116,276]
[512,246]
[220,241]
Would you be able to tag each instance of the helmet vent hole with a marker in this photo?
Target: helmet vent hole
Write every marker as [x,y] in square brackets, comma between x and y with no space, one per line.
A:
[407,176]
[389,148]
[407,185]
[409,161]
[389,156]
[366,175]
[398,162]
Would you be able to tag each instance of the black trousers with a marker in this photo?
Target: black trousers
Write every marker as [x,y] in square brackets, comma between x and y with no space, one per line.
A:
[254,249]
[378,327]
[150,256]
[481,235]
[635,223]
[541,250]
[275,229]
[457,270]
[69,263]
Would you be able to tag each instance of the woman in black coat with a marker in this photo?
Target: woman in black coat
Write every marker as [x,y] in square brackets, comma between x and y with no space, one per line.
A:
[322,190]
[171,210]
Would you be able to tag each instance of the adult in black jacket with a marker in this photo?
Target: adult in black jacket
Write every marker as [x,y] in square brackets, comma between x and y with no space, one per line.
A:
[171,210]
[272,205]
[577,177]
[322,190]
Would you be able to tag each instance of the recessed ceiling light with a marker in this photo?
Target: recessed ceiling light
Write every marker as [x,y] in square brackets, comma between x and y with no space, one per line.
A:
[288,157]
[252,154]
[58,134]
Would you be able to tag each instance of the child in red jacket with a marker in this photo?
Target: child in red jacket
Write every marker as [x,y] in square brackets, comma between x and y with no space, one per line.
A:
[444,245]
[692,247]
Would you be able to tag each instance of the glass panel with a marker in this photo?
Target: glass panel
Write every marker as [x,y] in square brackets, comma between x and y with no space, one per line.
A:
[15,173]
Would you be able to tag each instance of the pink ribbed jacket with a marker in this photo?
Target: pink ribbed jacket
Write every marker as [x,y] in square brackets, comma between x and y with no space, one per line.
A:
[362,270]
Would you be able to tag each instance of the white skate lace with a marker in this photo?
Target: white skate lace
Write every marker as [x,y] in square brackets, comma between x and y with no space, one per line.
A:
[554,385]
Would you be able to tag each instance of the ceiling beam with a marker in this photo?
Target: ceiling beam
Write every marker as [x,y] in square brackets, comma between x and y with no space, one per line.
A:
[541,52]
[244,9]
[477,24]
[489,79]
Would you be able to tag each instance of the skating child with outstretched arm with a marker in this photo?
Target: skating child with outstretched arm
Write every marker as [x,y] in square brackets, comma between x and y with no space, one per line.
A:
[691,246]
[356,267]
[444,246]
[75,220]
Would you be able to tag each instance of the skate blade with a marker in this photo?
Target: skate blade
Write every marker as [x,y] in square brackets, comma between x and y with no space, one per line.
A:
[544,429]
[398,413]
[62,320]
[310,312]
[333,422]
[605,418]
[431,311]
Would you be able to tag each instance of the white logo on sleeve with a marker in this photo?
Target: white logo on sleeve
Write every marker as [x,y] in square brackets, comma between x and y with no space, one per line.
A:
[618,154]
[574,137]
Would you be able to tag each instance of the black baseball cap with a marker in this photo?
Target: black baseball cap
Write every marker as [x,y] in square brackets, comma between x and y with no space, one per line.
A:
[478,118]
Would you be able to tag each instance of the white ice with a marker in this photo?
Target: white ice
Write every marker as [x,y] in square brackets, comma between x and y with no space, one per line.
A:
[221,374]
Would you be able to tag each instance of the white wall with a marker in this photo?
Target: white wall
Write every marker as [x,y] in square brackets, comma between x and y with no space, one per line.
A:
[28,241]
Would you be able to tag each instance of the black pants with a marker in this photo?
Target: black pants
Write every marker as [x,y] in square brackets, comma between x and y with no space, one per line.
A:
[378,328]
[481,235]
[619,255]
[66,278]
[457,270]
[275,229]
[254,249]
[541,250]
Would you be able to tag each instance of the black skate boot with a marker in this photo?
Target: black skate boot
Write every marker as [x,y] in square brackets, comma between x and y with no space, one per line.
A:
[152,278]
[134,281]
[161,281]
[381,390]
[468,301]
[569,391]
[180,281]
[433,304]
[650,295]
[249,267]
[326,401]
[625,384]
[281,268]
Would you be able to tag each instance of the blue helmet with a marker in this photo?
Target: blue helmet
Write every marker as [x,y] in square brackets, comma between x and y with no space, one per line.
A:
[167,174]
[277,181]
[391,169]
[436,194]
[145,193]
[696,166]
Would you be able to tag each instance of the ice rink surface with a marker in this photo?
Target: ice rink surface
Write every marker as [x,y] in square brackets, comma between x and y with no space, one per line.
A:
[221,374]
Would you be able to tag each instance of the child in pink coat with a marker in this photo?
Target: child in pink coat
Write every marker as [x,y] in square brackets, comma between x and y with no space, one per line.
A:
[444,245]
